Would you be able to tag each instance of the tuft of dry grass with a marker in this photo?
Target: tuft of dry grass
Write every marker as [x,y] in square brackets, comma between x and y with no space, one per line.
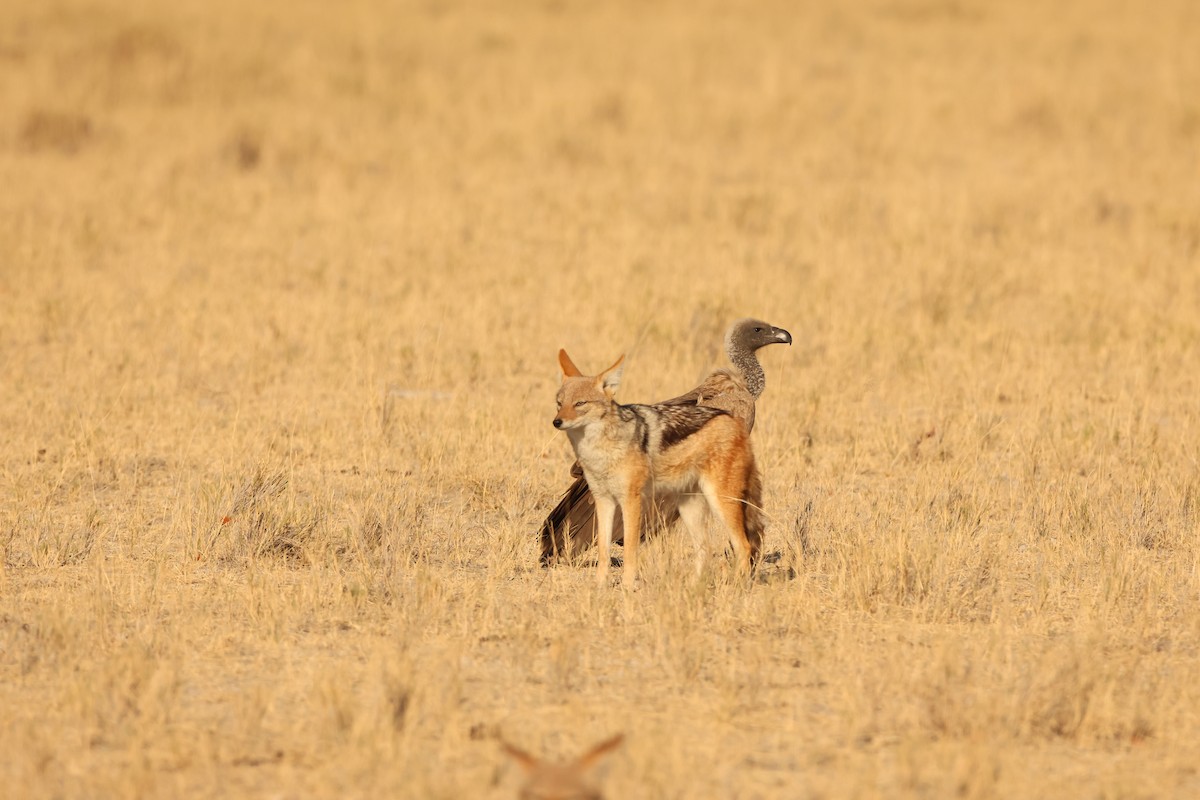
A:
[280,295]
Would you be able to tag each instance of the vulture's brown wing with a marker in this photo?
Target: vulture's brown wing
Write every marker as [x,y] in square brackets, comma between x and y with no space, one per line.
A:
[571,526]
[721,389]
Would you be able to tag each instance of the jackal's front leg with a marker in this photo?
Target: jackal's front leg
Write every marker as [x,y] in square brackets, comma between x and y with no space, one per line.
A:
[631,513]
[606,508]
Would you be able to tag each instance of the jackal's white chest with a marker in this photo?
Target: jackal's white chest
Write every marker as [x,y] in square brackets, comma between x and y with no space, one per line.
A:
[604,460]
[593,449]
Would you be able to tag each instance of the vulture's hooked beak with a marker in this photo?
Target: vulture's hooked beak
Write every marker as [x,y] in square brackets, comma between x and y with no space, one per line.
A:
[783,336]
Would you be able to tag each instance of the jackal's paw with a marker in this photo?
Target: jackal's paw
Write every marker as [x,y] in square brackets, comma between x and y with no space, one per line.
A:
[630,579]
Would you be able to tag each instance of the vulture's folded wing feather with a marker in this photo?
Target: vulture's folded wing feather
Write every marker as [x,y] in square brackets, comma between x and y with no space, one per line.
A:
[571,526]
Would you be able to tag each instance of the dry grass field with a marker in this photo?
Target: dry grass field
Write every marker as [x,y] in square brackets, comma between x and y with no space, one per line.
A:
[281,289]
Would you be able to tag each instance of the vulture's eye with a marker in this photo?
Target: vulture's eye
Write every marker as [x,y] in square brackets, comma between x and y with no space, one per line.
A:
[758,330]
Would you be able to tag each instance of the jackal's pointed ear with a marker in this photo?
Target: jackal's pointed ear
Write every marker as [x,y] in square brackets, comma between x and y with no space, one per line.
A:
[527,762]
[569,370]
[610,379]
[592,757]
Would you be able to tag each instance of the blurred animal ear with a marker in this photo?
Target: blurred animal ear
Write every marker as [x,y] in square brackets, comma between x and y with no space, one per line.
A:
[569,370]
[610,379]
[592,757]
[527,762]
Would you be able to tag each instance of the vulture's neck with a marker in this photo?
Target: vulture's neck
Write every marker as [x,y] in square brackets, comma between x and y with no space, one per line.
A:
[751,371]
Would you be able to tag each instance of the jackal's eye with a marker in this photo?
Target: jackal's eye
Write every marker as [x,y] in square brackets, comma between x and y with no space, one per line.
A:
[582,403]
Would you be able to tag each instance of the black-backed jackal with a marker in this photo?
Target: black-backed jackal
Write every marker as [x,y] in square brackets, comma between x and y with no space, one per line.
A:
[631,453]
[572,780]
[570,528]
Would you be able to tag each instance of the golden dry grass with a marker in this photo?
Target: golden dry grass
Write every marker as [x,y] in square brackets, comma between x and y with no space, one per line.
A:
[305,267]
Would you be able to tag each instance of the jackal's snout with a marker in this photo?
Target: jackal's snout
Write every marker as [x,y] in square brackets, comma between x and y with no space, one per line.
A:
[558,422]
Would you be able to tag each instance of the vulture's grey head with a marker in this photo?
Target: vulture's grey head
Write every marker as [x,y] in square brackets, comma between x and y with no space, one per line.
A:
[747,335]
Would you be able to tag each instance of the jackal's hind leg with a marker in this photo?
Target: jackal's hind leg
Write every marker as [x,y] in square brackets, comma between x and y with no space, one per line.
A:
[691,511]
[727,506]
